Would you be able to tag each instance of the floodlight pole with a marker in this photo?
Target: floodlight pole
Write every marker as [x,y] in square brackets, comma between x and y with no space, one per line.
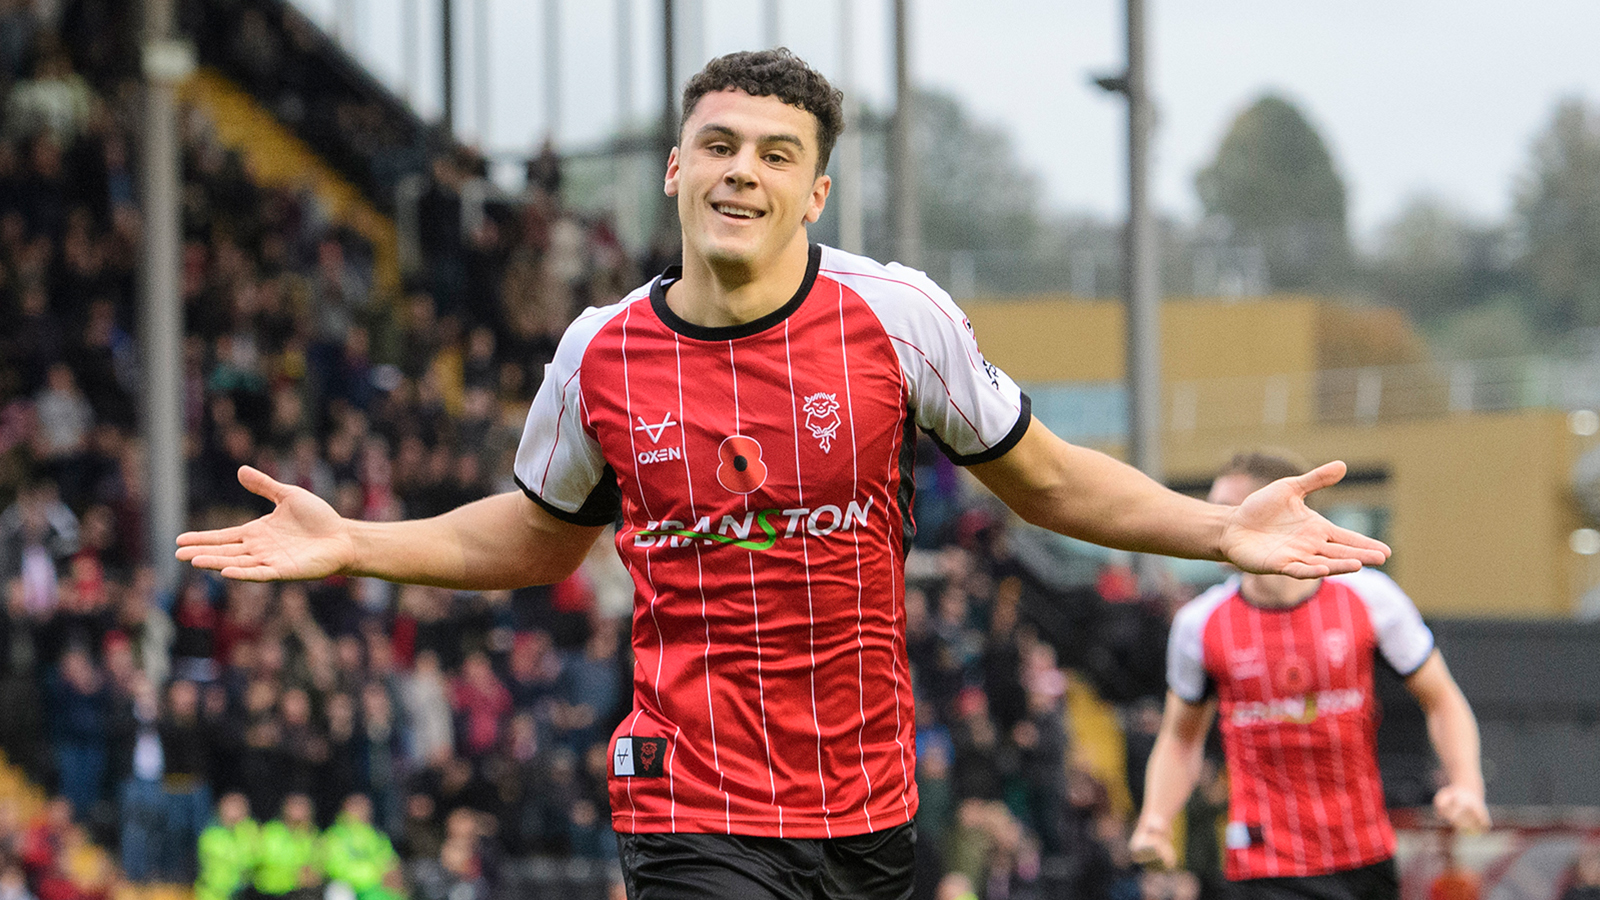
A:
[166,61]
[552,70]
[848,188]
[1140,276]
[447,64]
[907,222]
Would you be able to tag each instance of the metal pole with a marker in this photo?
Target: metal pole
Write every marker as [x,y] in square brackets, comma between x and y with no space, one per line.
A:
[908,223]
[625,165]
[408,50]
[773,22]
[848,189]
[1144,291]
[447,63]
[552,69]
[666,227]
[669,76]
[166,62]
[624,65]
[482,57]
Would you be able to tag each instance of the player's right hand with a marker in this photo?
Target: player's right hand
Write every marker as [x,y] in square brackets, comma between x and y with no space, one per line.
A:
[302,538]
[1463,808]
[1151,844]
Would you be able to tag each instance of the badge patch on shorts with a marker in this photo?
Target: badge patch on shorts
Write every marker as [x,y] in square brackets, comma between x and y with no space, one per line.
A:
[1240,835]
[639,757]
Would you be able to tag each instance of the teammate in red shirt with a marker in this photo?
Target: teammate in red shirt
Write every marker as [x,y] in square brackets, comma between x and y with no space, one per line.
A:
[749,419]
[1288,665]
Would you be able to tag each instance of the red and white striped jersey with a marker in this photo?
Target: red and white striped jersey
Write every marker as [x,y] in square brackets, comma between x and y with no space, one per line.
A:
[1298,716]
[763,476]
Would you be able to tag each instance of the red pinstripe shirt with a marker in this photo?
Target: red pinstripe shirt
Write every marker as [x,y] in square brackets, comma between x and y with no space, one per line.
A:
[1298,717]
[762,475]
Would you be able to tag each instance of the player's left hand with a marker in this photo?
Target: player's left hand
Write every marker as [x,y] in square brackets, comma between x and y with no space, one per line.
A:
[1463,808]
[1274,532]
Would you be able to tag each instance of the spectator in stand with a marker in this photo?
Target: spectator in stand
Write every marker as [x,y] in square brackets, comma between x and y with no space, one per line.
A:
[79,703]
[37,533]
[359,856]
[427,706]
[227,850]
[588,697]
[288,864]
[481,705]
[186,779]
[340,776]
[381,755]
[65,420]
[56,102]
[141,807]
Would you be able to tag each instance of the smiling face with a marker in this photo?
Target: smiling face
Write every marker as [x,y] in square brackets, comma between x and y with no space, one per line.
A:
[745,175]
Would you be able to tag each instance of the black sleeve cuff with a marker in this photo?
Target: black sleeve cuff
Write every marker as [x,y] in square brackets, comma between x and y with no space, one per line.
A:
[599,508]
[1024,417]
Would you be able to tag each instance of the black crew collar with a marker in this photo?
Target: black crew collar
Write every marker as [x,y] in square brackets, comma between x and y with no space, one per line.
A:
[658,302]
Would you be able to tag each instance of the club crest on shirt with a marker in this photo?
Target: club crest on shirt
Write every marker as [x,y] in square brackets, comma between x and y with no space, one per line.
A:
[822,418]
[1336,644]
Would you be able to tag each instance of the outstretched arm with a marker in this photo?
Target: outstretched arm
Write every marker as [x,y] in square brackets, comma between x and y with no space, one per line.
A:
[1085,494]
[1453,730]
[1170,777]
[503,541]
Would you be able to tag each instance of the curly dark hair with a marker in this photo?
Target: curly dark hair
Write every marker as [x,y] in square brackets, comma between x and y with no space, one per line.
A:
[774,73]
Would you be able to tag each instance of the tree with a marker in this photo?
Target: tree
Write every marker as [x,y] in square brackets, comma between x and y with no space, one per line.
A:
[1434,263]
[978,202]
[1274,183]
[1558,210]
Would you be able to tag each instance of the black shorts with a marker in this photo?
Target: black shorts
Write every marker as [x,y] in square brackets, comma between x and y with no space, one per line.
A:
[1379,881]
[876,866]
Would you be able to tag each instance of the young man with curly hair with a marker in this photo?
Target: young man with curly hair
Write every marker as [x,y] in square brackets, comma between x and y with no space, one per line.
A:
[748,419]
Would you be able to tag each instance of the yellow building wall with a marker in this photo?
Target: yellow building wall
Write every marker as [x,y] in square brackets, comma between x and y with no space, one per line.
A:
[1480,505]
[1480,508]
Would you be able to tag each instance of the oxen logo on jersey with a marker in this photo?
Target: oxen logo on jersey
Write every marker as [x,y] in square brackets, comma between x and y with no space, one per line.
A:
[1337,645]
[654,430]
[822,418]
[741,469]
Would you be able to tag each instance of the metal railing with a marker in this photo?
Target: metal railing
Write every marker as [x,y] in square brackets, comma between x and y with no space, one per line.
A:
[1366,396]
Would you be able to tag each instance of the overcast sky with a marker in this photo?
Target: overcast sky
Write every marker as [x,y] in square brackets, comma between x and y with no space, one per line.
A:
[1413,97]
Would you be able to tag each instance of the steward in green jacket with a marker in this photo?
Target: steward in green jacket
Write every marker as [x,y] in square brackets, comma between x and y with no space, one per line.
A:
[287,858]
[227,850]
[357,854]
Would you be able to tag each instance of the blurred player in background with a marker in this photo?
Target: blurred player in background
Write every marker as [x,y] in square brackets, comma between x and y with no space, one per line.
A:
[751,417]
[1289,663]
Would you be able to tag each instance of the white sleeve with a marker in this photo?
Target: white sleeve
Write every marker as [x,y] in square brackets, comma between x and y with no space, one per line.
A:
[1186,661]
[1403,638]
[559,464]
[971,409]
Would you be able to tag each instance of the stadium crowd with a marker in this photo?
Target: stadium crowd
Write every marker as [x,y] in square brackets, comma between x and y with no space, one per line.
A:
[475,725]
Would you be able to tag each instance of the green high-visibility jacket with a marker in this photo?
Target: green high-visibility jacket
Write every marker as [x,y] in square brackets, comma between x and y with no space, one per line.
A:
[357,854]
[281,853]
[226,858]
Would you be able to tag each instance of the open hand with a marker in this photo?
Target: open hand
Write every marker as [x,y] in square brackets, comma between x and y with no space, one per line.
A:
[302,538]
[1274,532]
